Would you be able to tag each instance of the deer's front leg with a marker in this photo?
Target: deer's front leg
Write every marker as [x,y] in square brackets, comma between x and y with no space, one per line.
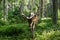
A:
[32,27]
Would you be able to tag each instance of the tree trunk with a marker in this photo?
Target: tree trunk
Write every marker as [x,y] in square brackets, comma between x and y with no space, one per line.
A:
[41,8]
[5,9]
[55,11]
[21,6]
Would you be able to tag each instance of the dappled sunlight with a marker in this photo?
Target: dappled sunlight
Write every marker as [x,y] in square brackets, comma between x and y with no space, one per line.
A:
[59,14]
[42,24]
[45,18]
[48,34]
[45,35]
[59,21]
[45,24]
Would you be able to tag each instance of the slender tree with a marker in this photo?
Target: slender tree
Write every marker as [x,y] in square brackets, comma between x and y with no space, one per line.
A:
[5,9]
[55,11]
[21,6]
[41,7]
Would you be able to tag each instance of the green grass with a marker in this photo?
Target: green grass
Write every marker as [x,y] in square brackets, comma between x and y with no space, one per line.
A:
[43,31]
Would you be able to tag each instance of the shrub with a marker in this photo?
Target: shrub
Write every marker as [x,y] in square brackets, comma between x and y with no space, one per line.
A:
[2,22]
[12,30]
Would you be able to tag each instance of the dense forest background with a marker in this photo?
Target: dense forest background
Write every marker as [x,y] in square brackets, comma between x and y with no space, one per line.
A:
[13,26]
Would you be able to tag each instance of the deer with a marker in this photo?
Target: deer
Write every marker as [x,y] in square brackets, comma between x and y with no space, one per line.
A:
[32,20]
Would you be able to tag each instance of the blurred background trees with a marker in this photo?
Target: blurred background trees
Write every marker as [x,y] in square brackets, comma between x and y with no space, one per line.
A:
[10,10]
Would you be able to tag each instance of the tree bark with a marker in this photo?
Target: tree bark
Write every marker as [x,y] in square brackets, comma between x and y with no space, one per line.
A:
[55,11]
[21,6]
[5,9]
[41,8]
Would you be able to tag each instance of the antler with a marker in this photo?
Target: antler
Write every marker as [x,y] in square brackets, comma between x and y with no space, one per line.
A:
[25,16]
[31,16]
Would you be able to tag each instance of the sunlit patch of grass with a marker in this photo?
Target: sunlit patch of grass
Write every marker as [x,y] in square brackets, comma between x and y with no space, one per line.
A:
[45,18]
[45,35]
[59,21]
[45,24]
[58,13]
[42,24]
[56,35]
[48,35]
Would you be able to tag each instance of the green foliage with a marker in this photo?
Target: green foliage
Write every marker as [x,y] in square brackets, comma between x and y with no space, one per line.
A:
[12,29]
[43,31]
[15,16]
[0,14]
[16,28]
[2,22]
[44,24]
[48,35]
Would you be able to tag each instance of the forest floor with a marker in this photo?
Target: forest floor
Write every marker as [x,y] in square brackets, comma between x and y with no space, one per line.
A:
[43,31]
